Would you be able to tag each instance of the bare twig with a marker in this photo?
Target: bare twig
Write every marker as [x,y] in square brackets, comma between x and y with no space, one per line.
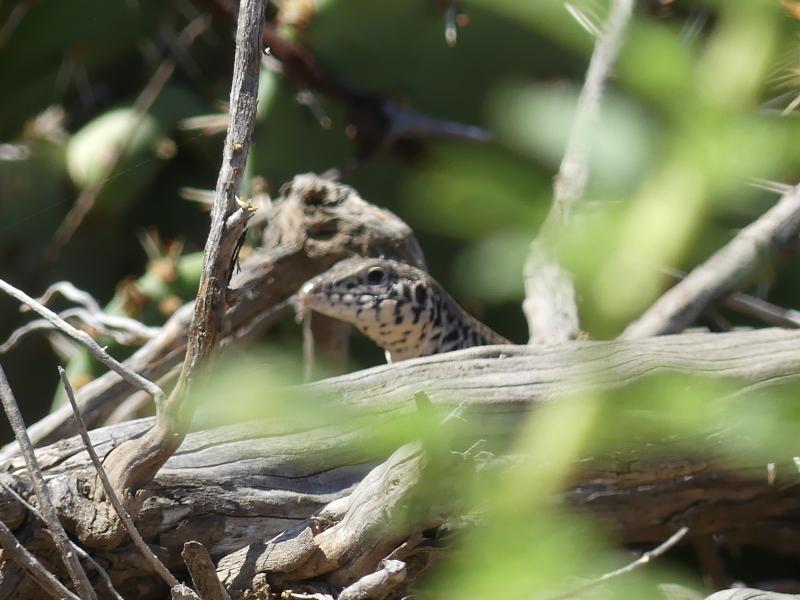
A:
[550,307]
[136,537]
[101,572]
[122,330]
[132,464]
[70,292]
[85,340]
[730,267]
[93,314]
[203,572]
[19,554]
[76,572]
[639,562]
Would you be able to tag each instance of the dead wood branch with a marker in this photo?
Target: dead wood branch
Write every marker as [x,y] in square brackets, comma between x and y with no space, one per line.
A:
[313,225]
[731,267]
[235,486]
[352,544]
[550,306]
[377,585]
[134,464]
[203,572]
[74,568]
[751,306]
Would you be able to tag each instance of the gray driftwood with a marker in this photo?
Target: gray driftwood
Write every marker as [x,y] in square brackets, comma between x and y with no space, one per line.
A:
[235,488]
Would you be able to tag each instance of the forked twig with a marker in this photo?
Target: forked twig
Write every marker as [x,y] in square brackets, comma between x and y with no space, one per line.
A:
[122,330]
[136,537]
[76,572]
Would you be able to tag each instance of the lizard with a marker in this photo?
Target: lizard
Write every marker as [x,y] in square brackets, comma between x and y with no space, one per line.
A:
[401,308]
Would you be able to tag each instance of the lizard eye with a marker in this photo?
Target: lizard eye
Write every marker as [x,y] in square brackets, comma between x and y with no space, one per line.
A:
[375,276]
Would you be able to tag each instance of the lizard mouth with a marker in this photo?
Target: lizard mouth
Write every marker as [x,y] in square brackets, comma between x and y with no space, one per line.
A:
[305,299]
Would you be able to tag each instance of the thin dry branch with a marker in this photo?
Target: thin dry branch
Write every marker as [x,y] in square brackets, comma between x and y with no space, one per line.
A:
[756,308]
[101,572]
[730,267]
[122,330]
[19,554]
[134,464]
[644,559]
[86,341]
[136,537]
[76,572]
[550,306]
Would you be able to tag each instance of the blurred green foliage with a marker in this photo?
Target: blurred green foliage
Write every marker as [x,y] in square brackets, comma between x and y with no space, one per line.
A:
[691,115]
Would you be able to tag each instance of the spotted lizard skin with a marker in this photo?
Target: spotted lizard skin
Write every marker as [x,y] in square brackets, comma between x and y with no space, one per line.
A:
[399,307]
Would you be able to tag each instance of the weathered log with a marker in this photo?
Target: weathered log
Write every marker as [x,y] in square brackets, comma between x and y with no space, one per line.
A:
[313,225]
[240,485]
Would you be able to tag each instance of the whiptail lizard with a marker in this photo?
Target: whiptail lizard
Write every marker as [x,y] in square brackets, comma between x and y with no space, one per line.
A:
[399,307]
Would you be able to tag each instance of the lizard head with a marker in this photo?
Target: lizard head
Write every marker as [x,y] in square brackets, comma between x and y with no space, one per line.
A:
[390,302]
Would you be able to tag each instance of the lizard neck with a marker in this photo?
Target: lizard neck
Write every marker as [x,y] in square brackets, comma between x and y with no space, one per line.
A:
[440,326]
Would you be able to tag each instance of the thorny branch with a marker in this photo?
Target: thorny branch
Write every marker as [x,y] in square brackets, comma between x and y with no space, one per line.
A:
[549,306]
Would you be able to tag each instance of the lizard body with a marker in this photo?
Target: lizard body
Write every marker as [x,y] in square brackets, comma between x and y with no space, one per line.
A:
[399,307]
